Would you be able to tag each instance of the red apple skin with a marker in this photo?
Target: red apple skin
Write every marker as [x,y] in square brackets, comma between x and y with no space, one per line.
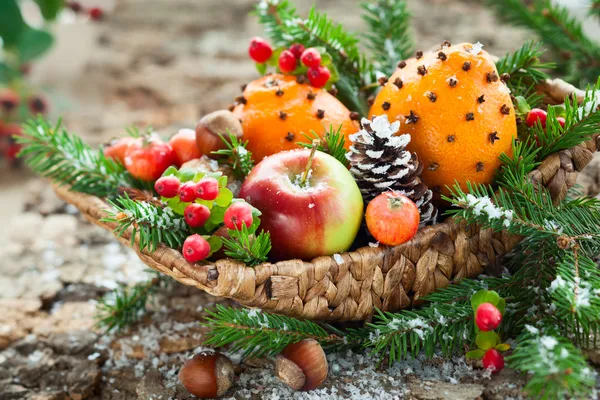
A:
[305,223]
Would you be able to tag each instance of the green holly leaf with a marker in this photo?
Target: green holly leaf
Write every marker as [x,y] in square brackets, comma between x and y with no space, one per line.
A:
[11,22]
[487,340]
[50,8]
[502,347]
[33,43]
[475,354]
[224,198]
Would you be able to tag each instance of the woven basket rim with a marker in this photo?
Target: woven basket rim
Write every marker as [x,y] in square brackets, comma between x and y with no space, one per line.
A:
[233,279]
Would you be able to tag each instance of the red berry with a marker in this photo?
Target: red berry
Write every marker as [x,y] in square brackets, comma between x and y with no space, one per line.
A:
[207,189]
[534,115]
[195,248]
[37,105]
[493,360]
[75,6]
[9,100]
[237,215]
[311,58]
[297,49]
[318,76]
[196,215]
[260,51]
[187,192]
[287,61]
[96,13]
[167,186]
[487,317]
[561,121]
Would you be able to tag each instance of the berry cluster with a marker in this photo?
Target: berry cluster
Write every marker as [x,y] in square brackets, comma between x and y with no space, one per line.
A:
[12,106]
[95,13]
[295,60]
[537,114]
[200,202]
[488,307]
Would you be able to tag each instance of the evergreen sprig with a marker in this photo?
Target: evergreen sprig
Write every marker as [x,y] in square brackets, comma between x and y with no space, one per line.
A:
[52,152]
[126,305]
[388,33]
[237,154]
[150,223]
[525,63]
[595,9]
[578,56]
[257,333]
[581,123]
[557,369]
[285,27]
[249,248]
[334,144]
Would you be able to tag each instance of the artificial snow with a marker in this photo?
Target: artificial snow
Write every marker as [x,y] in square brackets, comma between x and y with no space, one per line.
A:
[484,205]
[476,49]
[548,342]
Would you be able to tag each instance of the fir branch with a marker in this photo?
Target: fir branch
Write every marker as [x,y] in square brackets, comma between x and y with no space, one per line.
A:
[247,248]
[285,27]
[237,155]
[563,33]
[595,9]
[557,369]
[150,223]
[581,123]
[64,158]
[388,36]
[334,144]
[525,63]
[257,333]
[126,305]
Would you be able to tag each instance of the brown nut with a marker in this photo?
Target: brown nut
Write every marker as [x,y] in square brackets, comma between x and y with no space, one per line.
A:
[302,365]
[213,124]
[207,375]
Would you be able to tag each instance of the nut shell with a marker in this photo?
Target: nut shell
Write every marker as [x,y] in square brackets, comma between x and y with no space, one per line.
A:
[213,124]
[302,365]
[207,375]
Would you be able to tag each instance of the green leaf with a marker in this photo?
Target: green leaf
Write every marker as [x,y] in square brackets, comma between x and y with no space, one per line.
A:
[33,43]
[215,243]
[261,68]
[186,174]
[501,305]
[208,203]
[50,8]
[484,296]
[487,340]
[216,218]
[475,354]
[326,60]
[171,171]
[224,198]
[11,22]
[176,205]
[502,347]
[222,181]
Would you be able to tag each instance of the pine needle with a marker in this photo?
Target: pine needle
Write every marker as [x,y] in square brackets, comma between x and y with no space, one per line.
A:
[237,155]
[334,144]
[248,248]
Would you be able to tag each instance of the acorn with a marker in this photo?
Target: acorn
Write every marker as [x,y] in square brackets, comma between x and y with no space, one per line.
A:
[302,365]
[207,375]
[213,124]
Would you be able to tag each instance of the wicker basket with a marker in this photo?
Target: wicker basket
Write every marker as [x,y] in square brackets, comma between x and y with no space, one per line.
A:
[348,286]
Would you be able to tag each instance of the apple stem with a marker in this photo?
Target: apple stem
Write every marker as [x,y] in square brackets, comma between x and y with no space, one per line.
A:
[313,150]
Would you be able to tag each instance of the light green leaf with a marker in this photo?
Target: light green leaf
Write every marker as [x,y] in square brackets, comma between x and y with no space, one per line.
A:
[208,203]
[222,180]
[50,8]
[501,305]
[216,218]
[475,354]
[224,198]
[326,60]
[186,174]
[502,347]
[171,171]
[487,340]
[478,298]
[215,243]
[261,68]
[11,22]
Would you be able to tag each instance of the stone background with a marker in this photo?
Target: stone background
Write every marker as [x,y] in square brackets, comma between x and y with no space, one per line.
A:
[166,63]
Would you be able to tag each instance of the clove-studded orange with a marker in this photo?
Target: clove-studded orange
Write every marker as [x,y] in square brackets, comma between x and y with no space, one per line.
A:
[457,110]
[277,111]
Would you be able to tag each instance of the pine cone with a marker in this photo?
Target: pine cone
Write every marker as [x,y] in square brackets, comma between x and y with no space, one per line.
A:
[380,162]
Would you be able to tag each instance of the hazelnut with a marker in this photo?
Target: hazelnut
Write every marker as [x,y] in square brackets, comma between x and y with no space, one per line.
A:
[207,375]
[213,124]
[302,365]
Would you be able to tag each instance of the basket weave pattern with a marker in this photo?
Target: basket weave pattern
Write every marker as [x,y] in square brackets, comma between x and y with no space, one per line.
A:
[348,286]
